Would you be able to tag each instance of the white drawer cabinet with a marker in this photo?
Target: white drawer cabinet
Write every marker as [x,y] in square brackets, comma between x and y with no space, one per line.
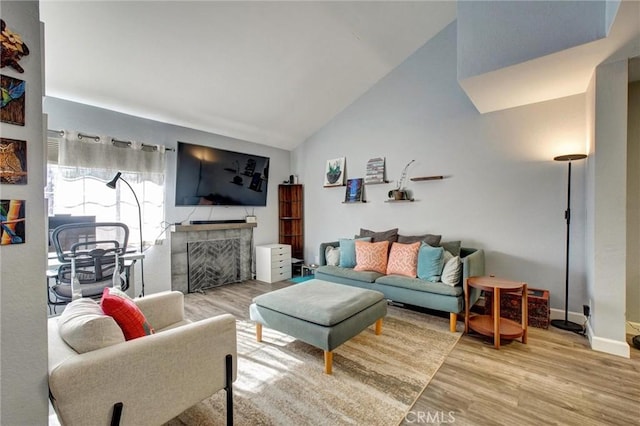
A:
[273,262]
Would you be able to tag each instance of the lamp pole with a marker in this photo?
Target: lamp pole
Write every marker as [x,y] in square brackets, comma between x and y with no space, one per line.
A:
[112,185]
[566,324]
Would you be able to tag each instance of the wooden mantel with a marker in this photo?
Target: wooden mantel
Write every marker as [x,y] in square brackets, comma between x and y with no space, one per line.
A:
[211,227]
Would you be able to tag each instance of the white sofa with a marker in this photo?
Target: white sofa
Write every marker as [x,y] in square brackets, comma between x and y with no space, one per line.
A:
[148,380]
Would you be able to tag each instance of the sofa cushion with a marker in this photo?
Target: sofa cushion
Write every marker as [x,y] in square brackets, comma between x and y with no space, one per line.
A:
[452,271]
[390,235]
[432,240]
[420,285]
[319,302]
[430,262]
[85,328]
[371,256]
[452,247]
[332,255]
[128,316]
[348,251]
[349,273]
[403,259]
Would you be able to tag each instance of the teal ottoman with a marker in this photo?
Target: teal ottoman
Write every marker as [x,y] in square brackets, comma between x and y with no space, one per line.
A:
[320,313]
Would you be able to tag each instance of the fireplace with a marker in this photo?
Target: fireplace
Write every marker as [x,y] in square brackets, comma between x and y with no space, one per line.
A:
[212,263]
[209,255]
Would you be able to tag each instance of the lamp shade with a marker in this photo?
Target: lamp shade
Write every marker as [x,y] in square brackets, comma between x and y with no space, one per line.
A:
[569,157]
[112,184]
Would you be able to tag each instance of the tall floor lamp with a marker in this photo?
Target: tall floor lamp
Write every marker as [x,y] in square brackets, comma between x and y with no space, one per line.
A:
[565,324]
[112,184]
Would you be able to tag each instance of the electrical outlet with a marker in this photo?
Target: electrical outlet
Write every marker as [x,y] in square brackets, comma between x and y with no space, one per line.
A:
[586,310]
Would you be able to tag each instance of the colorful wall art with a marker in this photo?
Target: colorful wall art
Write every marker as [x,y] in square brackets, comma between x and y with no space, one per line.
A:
[13,161]
[12,222]
[13,48]
[353,193]
[334,174]
[13,90]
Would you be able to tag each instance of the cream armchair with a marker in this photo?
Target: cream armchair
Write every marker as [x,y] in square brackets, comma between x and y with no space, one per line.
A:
[149,380]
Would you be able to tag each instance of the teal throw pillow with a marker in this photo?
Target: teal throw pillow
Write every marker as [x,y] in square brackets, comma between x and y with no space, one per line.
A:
[430,262]
[348,251]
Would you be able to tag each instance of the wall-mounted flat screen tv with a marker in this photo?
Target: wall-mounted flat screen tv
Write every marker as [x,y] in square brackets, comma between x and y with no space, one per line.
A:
[213,176]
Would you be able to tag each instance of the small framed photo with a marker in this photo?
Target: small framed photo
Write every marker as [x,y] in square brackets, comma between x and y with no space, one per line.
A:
[334,173]
[354,191]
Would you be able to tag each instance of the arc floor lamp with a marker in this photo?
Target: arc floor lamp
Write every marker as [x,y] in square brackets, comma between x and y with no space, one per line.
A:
[112,184]
[565,324]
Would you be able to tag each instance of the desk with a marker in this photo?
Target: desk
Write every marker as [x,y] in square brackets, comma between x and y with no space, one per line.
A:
[493,325]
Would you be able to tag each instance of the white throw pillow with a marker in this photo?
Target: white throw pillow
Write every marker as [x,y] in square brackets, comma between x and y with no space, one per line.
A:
[332,255]
[85,328]
[452,271]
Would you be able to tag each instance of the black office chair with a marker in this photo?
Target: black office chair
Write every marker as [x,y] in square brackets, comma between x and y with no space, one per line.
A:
[90,256]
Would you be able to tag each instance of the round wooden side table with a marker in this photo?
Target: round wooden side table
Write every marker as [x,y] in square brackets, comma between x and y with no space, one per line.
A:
[493,325]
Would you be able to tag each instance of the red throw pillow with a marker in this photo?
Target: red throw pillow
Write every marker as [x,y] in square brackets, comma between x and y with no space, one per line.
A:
[129,317]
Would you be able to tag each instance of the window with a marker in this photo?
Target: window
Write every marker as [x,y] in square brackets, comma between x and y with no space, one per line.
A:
[79,167]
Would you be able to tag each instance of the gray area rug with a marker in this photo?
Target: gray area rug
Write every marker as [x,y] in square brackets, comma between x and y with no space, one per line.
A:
[376,379]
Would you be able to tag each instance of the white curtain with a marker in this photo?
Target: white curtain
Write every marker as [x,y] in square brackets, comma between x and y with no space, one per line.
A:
[76,182]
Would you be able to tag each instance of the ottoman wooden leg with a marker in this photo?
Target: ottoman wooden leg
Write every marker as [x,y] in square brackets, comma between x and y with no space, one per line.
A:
[379,327]
[328,362]
[258,332]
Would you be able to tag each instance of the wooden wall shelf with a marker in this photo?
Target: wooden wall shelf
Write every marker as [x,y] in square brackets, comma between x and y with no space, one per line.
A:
[377,183]
[334,186]
[399,201]
[354,202]
[418,179]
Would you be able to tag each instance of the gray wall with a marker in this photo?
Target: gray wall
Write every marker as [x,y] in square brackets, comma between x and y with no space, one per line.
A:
[74,116]
[502,192]
[23,309]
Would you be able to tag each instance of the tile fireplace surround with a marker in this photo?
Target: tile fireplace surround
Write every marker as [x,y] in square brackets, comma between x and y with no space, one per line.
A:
[181,235]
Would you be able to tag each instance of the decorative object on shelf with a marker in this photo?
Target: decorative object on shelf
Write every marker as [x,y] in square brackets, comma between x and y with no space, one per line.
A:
[354,190]
[375,171]
[12,222]
[334,174]
[13,90]
[399,195]
[13,48]
[112,184]
[403,177]
[565,324]
[13,161]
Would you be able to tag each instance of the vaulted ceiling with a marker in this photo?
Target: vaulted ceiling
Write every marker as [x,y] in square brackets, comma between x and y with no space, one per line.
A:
[267,72]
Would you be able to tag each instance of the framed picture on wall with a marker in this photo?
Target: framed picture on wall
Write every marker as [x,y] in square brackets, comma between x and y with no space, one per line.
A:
[13,161]
[354,191]
[12,225]
[334,173]
[12,110]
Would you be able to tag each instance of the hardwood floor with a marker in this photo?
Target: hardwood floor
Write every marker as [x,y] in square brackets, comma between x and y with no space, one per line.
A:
[554,379]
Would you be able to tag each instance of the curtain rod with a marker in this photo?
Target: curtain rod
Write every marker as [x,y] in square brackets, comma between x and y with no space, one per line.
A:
[113,140]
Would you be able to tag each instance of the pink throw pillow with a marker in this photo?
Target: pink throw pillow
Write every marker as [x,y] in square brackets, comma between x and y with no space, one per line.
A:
[371,256]
[403,259]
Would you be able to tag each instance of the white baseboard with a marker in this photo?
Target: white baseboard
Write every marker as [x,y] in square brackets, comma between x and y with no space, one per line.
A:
[613,347]
[600,344]
[571,316]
